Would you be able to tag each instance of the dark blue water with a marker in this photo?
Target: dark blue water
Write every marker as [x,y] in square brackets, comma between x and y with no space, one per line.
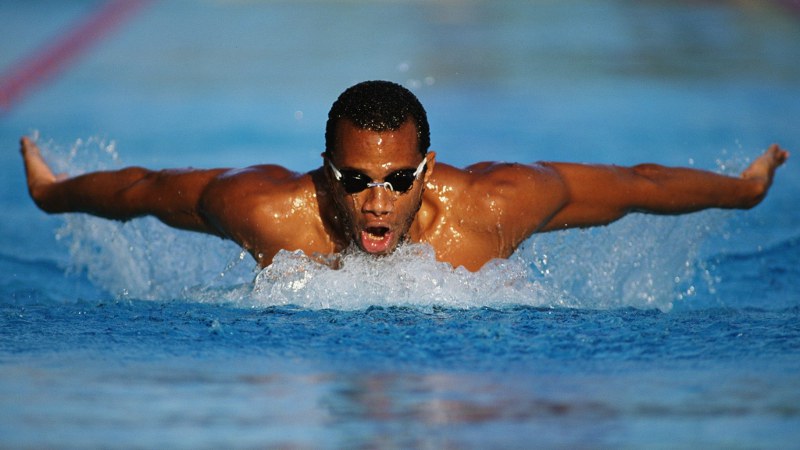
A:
[177,373]
[652,332]
[392,338]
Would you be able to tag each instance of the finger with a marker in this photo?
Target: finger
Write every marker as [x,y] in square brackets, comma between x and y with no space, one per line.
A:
[778,154]
[783,155]
[25,145]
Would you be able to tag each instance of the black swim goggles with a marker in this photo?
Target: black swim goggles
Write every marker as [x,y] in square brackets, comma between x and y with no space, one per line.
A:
[354,181]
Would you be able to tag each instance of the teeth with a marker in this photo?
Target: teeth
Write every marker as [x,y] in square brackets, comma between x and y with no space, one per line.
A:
[377,232]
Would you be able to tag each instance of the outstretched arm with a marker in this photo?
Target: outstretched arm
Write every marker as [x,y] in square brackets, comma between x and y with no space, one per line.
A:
[171,195]
[598,195]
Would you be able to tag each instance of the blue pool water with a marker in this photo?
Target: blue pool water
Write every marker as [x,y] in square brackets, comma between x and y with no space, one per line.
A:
[652,332]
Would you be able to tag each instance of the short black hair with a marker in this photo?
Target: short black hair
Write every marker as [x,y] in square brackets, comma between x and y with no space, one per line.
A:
[378,106]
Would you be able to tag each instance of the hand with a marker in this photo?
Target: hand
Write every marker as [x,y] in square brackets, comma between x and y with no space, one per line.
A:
[760,173]
[763,168]
[38,173]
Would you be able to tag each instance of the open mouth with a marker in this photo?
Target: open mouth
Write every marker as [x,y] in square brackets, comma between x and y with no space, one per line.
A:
[376,239]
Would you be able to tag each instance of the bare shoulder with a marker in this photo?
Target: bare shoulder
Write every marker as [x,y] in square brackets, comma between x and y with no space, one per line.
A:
[516,196]
[266,173]
[237,188]
[238,194]
[498,179]
[264,208]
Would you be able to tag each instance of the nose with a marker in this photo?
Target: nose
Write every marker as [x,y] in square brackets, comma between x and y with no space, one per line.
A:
[379,201]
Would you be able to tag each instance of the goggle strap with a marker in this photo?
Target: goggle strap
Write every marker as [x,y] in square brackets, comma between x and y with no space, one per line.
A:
[336,173]
[420,167]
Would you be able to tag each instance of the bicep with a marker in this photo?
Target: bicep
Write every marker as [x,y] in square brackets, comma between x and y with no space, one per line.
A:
[598,194]
[523,199]
[172,196]
[517,199]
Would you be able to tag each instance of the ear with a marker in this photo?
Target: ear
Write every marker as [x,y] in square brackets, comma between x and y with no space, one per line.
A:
[431,162]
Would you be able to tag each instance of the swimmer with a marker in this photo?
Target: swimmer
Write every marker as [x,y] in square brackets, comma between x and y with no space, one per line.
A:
[378,186]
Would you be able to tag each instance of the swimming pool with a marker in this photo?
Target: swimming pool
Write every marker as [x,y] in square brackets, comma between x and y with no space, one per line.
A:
[652,332]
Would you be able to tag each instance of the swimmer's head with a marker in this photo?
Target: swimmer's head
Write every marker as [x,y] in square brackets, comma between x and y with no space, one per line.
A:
[377,164]
[378,106]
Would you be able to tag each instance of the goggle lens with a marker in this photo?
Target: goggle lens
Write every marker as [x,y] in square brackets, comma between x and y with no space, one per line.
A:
[354,181]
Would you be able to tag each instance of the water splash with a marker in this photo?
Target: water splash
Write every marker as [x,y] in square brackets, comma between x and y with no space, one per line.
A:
[142,258]
[411,276]
[640,261]
[145,259]
[95,153]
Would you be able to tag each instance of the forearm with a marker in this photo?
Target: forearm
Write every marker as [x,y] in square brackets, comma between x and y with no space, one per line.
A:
[97,193]
[665,190]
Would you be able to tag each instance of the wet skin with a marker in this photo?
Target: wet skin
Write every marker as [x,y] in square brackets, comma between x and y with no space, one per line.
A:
[469,216]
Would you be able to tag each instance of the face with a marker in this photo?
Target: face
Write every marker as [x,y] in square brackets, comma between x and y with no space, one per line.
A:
[377,219]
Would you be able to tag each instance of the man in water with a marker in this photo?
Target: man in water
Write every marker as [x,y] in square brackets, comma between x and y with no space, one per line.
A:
[379,186]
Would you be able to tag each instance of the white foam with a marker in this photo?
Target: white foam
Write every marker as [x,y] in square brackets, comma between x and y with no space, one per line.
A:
[411,276]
